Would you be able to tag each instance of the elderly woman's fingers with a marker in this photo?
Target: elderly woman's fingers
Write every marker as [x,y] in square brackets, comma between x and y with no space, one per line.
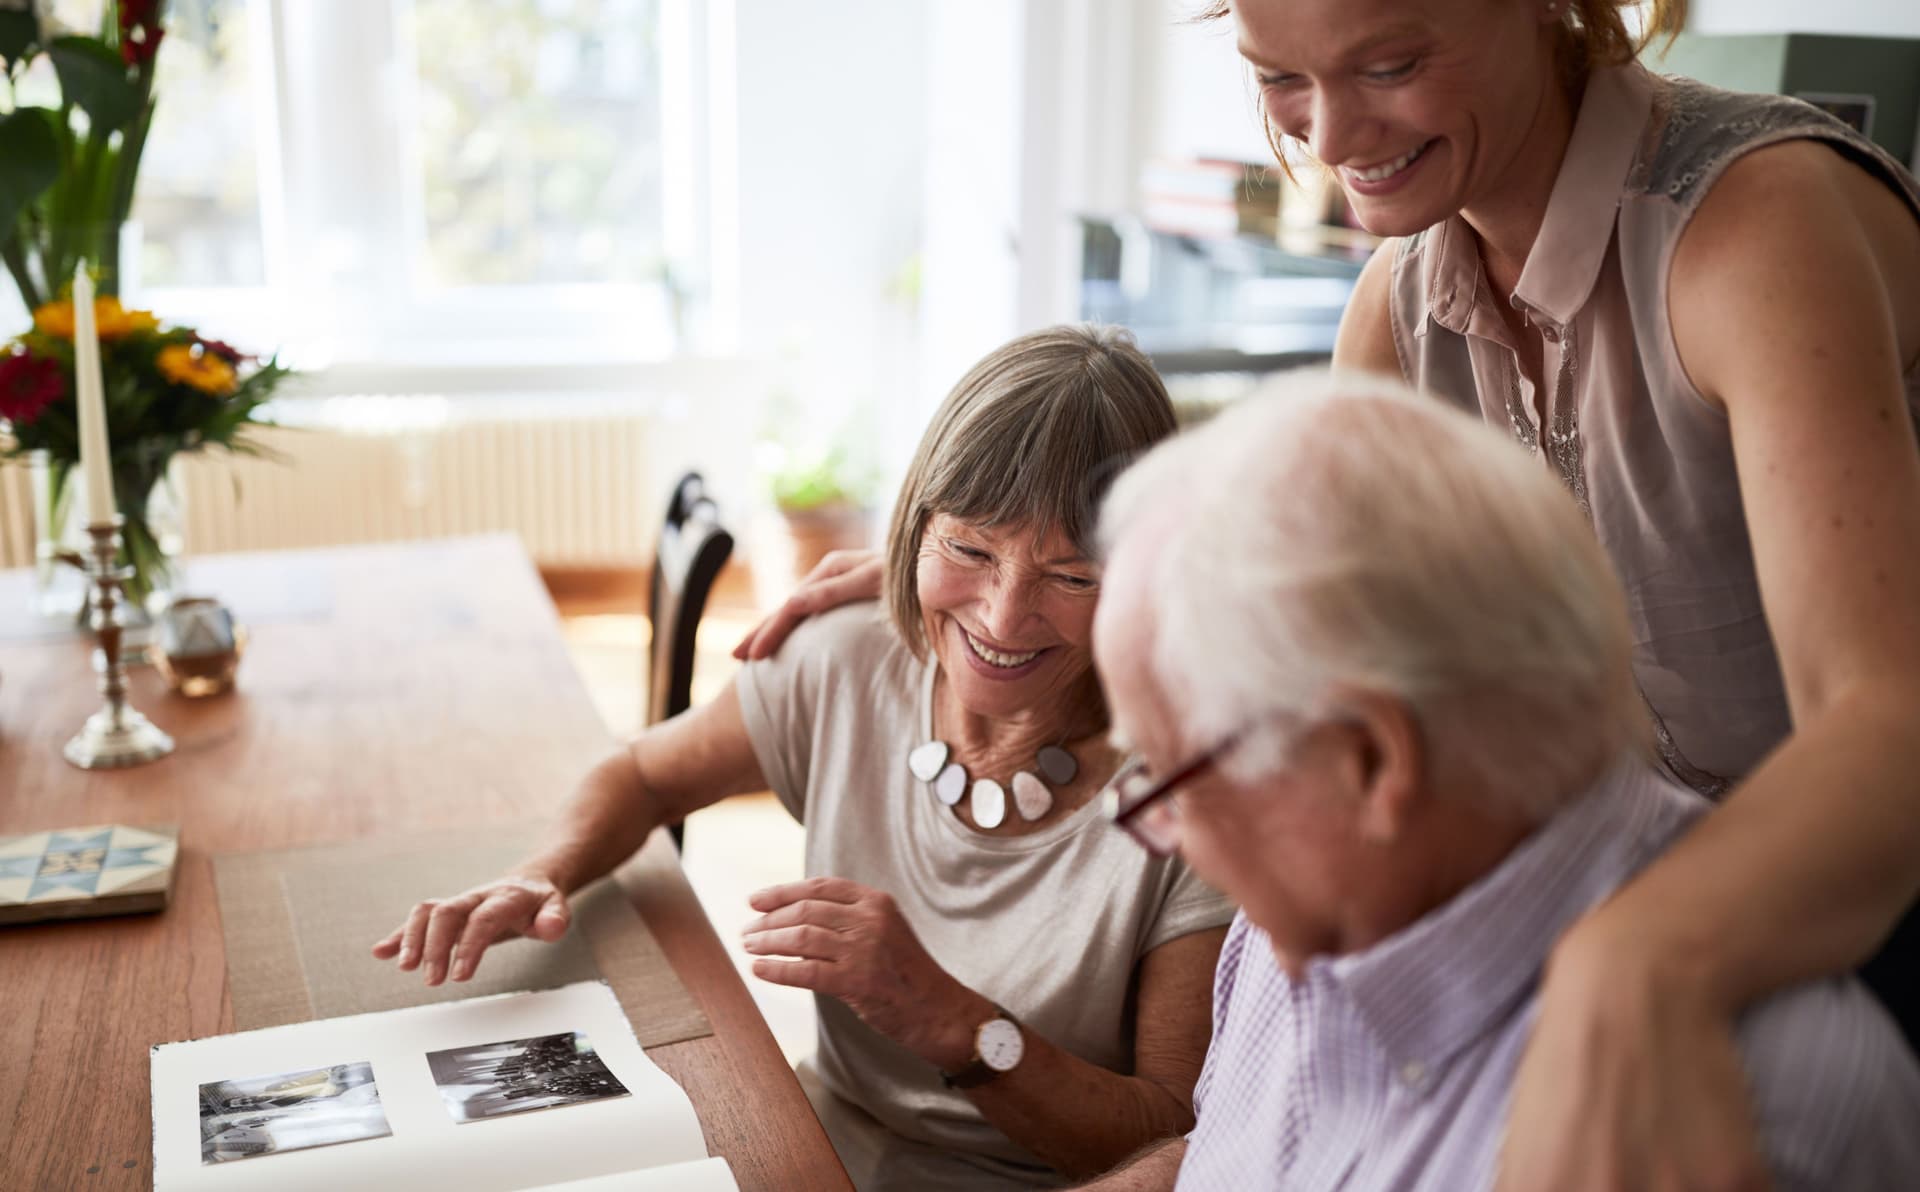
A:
[816,975]
[806,941]
[827,889]
[502,916]
[413,935]
[387,947]
[835,916]
[444,926]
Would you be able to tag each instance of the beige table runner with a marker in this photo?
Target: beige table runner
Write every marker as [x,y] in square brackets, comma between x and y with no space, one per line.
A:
[299,923]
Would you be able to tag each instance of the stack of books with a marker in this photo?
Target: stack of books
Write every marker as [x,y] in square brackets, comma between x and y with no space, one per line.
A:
[1210,197]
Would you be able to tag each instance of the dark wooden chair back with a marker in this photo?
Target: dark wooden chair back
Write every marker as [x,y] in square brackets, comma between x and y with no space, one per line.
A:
[693,547]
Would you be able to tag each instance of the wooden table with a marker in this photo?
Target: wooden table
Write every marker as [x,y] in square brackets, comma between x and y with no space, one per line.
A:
[386,690]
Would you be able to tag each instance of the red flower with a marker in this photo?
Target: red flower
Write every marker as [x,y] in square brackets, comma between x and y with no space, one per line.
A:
[28,385]
[140,31]
[220,348]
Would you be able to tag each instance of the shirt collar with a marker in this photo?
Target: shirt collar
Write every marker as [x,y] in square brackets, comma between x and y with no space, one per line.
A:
[1431,989]
[1453,278]
[1566,255]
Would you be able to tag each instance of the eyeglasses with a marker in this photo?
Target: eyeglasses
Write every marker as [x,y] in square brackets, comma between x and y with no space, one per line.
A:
[1138,804]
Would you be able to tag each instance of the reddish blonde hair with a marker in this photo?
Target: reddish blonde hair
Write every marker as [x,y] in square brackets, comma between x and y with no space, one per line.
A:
[1594,33]
[1598,27]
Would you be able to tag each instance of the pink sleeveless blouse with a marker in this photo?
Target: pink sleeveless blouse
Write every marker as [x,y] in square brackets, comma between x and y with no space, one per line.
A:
[1645,455]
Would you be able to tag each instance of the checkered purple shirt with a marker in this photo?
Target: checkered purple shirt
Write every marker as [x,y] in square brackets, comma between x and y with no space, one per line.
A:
[1392,1067]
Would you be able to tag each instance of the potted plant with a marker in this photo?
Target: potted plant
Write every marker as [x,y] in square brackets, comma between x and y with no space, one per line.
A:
[826,501]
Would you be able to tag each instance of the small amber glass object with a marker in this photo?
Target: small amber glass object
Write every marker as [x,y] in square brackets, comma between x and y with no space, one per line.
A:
[199,647]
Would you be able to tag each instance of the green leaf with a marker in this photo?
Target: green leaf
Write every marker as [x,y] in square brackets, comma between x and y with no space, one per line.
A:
[29,163]
[18,33]
[93,78]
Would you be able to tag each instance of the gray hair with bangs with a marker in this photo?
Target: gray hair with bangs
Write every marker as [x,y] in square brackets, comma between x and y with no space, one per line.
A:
[1032,436]
[1344,532]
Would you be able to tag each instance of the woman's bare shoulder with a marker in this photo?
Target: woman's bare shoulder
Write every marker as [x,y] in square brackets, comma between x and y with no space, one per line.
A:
[1365,341]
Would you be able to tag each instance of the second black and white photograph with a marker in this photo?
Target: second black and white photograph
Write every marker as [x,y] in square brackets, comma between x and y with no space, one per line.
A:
[493,1079]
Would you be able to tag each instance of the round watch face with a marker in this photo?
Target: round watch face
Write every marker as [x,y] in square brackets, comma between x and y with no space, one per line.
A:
[1000,1045]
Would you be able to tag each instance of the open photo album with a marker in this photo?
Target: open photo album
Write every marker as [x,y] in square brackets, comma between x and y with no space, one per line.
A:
[520,1091]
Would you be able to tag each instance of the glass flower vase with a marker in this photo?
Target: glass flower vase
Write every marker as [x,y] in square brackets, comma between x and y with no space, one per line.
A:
[149,495]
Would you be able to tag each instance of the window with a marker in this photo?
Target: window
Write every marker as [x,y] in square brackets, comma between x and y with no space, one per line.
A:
[422,183]
[197,207]
[538,129]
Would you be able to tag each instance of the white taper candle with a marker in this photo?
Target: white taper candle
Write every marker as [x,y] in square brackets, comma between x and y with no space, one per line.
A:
[96,458]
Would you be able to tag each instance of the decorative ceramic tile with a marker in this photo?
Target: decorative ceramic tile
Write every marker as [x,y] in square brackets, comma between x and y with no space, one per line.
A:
[111,869]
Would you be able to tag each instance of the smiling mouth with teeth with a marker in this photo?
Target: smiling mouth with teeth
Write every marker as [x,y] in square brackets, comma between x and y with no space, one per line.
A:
[995,657]
[1386,170]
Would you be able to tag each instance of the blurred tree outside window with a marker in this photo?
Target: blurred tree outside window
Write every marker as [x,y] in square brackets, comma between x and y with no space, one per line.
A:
[538,141]
[469,173]
[198,200]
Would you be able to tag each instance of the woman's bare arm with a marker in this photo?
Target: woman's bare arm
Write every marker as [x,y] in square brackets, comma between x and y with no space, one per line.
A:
[1786,312]
[1082,1118]
[661,777]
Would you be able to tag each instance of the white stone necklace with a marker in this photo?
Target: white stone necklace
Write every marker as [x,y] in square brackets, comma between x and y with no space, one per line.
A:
[933,764]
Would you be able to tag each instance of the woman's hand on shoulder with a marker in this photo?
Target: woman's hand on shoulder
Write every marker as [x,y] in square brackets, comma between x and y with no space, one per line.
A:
[449,935]
[842,577]
[1627,1083]
[851,942]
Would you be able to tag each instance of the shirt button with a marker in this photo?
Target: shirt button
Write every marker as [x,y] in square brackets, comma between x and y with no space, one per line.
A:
[1413,1074]
[1550,333]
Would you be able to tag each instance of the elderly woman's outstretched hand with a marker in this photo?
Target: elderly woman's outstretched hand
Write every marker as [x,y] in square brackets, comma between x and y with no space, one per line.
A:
[851,942]
[842,577]
[448,935]
[1627,1084]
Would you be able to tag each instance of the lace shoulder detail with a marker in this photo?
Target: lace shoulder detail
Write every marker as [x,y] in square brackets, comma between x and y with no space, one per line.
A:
[1697,130]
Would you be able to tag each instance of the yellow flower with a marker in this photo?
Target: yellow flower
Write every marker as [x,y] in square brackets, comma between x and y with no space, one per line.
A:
[55,319]
[184,364]
[110,319]
[113,320]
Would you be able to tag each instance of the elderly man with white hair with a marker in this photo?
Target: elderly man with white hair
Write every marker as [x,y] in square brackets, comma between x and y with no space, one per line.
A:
[1375,670]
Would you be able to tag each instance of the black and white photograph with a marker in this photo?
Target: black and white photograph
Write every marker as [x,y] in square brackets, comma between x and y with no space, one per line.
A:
[291,1111]
[493,1079]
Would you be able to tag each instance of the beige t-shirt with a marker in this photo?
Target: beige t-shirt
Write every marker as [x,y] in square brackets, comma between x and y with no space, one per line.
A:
[1050,925]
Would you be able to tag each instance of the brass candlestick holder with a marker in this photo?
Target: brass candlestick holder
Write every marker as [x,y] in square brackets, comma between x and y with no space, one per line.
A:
[116,735]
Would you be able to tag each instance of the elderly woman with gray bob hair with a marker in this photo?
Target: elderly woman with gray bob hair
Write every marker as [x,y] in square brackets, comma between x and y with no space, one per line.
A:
[1009,993]
[1376,672]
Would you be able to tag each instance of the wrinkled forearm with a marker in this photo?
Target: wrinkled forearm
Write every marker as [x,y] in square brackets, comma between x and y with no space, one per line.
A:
[607,819]
[1801,874]
[1155,1170]
[1080,1118]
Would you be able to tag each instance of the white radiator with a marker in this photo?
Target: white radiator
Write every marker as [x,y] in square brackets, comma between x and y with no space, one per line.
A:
[577,488]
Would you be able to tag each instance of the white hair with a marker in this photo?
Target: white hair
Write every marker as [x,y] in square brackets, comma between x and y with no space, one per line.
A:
[1343,532]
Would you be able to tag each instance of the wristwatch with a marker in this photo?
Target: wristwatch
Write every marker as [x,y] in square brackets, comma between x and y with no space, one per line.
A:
[998,1046]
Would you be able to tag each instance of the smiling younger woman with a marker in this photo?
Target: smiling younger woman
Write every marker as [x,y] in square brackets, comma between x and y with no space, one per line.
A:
[1701,309]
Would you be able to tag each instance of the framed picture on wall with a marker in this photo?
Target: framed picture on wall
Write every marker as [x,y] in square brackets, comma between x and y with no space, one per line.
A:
[1855,111]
